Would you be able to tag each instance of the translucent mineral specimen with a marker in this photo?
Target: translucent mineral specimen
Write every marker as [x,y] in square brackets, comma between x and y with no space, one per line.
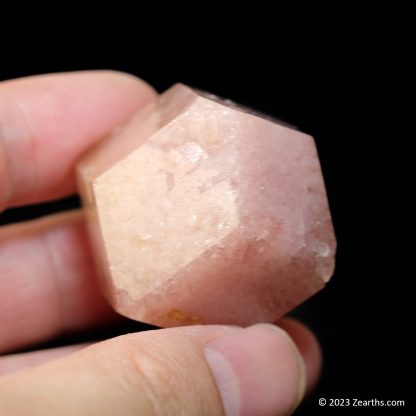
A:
[203,212]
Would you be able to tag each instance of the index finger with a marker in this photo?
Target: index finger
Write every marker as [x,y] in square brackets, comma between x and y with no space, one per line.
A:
[48,121]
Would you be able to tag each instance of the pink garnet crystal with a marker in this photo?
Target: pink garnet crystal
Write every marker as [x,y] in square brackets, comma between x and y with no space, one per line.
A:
[203,212]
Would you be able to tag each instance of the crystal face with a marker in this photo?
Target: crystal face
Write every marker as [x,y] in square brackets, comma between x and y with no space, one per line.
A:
[202,212]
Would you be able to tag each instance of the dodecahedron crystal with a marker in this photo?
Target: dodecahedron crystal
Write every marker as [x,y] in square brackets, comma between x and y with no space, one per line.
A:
[203,212]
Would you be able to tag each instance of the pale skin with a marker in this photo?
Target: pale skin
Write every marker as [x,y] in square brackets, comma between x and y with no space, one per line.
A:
[48,285]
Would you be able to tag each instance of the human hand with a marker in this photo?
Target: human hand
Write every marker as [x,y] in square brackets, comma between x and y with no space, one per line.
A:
[48,287]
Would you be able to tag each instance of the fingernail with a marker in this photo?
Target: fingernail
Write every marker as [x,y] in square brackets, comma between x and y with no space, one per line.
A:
[258,371]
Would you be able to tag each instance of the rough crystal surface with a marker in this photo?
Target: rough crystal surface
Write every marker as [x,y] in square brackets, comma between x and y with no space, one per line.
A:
[202,212]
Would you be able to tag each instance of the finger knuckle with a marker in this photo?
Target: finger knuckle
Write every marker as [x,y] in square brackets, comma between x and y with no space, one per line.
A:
[158,376]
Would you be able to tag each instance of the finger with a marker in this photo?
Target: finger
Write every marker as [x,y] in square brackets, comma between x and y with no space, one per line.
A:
[48,121]
[304,339]
[47,266]
[189,370]
[15,362]
[308,346]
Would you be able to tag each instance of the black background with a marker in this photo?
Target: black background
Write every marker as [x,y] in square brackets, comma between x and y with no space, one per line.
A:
[331,74]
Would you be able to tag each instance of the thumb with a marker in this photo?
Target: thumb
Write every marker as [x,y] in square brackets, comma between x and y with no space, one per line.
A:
[200,370]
